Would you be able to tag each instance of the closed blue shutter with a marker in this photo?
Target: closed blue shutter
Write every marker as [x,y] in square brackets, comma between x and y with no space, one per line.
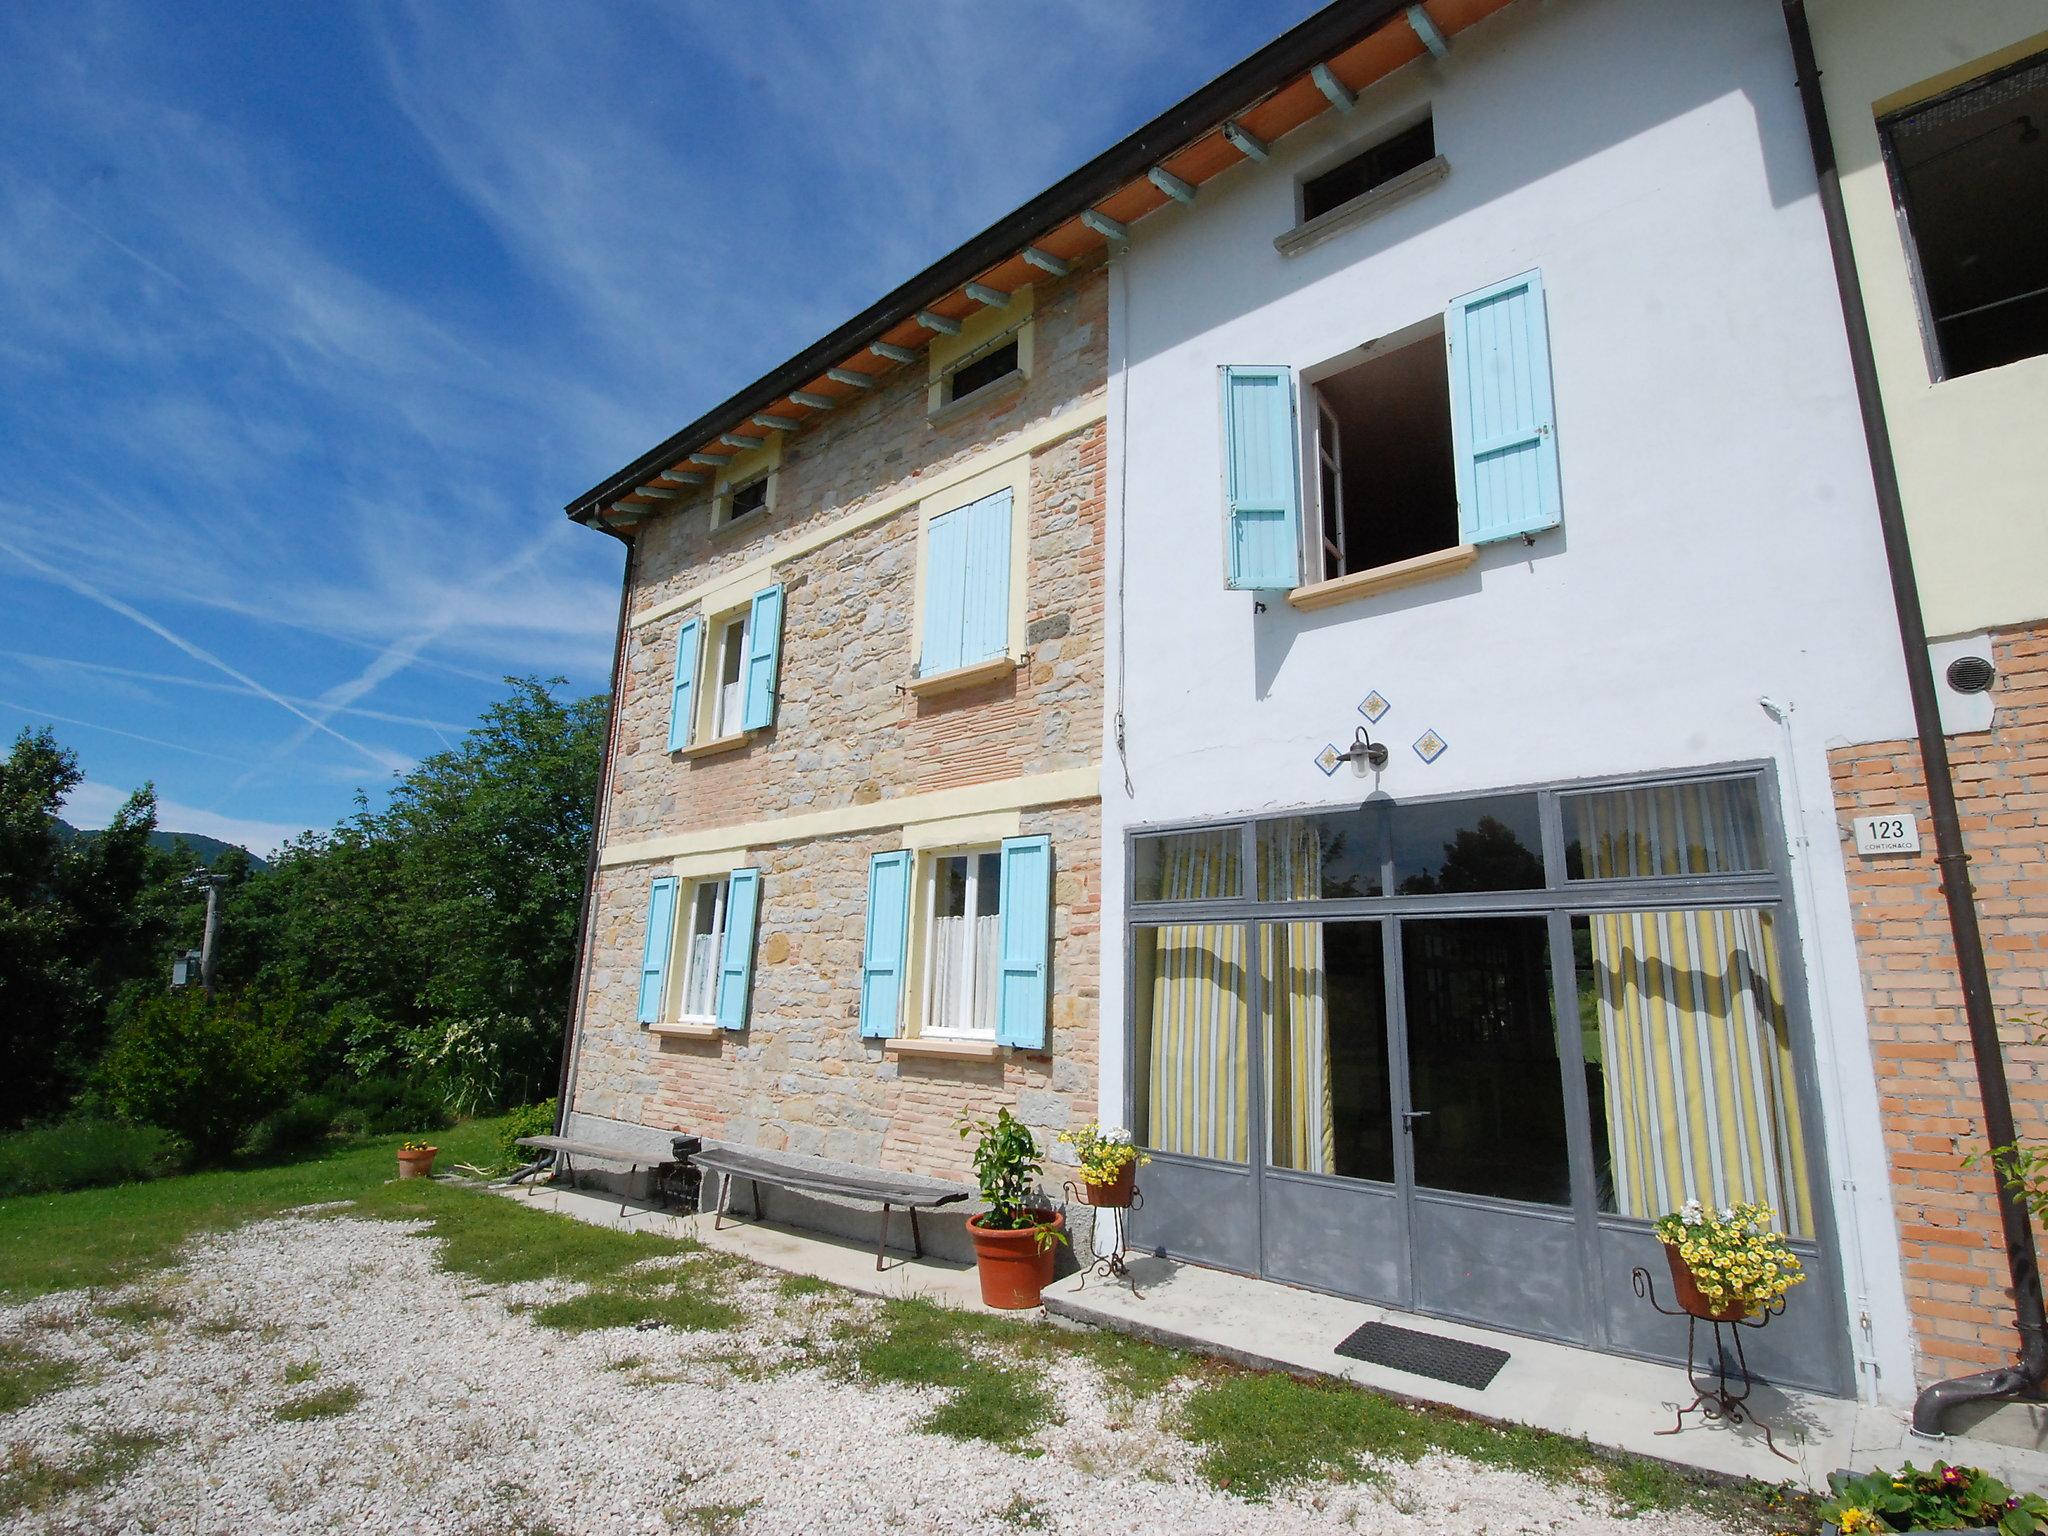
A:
[683,692]
[985,620]
[661,924]
[945,591]
[1262,479]
[764,659]
[1021,990]
[881,969]
[1503,427]
[736,963]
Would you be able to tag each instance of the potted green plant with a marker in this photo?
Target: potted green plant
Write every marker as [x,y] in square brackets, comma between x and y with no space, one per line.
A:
[1016,1238]
[1109,1163]
[1726,1264]
[416,1160]
[1944,1499]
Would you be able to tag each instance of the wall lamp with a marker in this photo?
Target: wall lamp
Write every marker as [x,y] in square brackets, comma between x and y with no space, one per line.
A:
[1363,753]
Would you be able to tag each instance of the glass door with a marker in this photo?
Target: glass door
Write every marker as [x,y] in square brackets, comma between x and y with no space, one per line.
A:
[1492,1231]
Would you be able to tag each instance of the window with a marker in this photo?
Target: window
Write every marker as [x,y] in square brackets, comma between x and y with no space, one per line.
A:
[990,367]
[963,944]
[729,683]
[1373,168]
[746,499]
[703,948]
[742,667]
[967,585]
[1386,485]
[1969,173]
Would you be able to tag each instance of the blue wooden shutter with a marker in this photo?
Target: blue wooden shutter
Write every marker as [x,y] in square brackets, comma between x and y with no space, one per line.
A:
[764,659]
[881,969]
[985,617]
[945,591]
[683,692]
[1262,478]
[1503,427]
[1021,989]
[736,963]
[661,925]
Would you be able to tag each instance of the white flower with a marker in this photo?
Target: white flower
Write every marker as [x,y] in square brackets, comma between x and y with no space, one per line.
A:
[1727,1213]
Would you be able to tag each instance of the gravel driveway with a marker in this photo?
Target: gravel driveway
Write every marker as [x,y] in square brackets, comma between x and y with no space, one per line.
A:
[468,1417]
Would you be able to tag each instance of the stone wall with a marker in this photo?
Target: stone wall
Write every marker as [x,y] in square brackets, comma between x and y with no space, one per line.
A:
[1953,1254]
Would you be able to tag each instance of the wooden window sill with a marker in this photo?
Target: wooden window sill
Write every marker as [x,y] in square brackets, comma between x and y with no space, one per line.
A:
[955,1050]
[963,677]
[1383,578]
[687,1031]
[1362,207]
[716,745]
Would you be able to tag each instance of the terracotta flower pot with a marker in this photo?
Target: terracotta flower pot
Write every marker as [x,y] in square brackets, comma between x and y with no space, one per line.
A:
[1015,1266]
[1116,1192]
[417,1165]
[1690,1298]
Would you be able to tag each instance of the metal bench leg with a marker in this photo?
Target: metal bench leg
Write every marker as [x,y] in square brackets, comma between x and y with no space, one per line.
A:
[626,1187]
[882,1242]
[916,1241]
[724,1194]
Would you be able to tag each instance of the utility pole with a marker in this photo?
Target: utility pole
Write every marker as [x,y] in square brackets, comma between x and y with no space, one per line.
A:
[209,948]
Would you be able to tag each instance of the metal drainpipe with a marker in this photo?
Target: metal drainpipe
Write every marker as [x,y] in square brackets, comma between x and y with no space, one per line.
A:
[2024,1376]
[566,1080]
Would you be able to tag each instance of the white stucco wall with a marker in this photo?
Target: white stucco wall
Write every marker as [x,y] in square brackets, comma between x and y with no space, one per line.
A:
[1972,451]
[1719,540]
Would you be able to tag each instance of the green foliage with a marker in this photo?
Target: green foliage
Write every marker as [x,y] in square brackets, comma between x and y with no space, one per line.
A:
[205,1068]
[530,1120]
[378,1106]
[30,1483]
[1006,1163]
[327,1403]
[1944,1499]
[995,1396]
[27,1374]
[303,1123]
[671,1299]
[82,1152]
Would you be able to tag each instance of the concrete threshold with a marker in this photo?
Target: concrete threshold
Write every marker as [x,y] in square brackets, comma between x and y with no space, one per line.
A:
[1609,1400]
[843,1261]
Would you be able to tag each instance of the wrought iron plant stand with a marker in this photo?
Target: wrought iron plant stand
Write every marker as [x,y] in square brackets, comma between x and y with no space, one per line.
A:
[1108,1264]
[1718,1397]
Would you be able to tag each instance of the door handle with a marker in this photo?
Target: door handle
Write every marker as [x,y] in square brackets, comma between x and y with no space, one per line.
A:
[1410,1116]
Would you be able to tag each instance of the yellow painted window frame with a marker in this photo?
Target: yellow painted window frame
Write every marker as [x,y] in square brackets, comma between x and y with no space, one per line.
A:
[742,469]
[928,842]
[976,331]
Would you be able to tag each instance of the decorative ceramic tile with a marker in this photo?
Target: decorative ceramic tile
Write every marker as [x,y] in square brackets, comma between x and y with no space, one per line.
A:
[1374,706]
[1328,759]
[1429,746]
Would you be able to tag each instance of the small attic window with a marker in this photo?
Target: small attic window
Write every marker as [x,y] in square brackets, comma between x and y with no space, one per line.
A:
[748,498]
[977,374]
[1374,167]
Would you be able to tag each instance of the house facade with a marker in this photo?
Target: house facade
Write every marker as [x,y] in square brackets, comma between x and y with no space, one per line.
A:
[848,865]
[1499,416]
[1938,118]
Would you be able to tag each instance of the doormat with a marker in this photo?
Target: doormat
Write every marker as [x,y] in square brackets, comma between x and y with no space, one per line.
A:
[1426,1354]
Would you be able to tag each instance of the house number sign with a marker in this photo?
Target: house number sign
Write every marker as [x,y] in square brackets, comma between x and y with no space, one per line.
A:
[1897,832]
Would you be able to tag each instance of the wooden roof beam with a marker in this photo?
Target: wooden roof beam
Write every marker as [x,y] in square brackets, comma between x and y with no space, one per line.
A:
[981,293]
[943,324]
[811,398]
[849,376]
[891,352]
[1045,261]
[1181,192]
[1431,34]
[1340,94]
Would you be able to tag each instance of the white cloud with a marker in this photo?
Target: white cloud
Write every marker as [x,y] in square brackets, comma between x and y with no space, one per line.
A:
[93,805]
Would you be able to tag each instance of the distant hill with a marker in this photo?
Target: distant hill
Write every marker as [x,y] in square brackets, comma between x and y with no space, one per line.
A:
[206,849]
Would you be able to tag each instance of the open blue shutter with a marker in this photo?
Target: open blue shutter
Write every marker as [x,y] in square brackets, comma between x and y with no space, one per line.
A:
[945,591]
[1503,427]
[1021,989]
[764,659]
[736,964]
[1262,478]
[985,621]
[881,968]
[683,692]
[661,924]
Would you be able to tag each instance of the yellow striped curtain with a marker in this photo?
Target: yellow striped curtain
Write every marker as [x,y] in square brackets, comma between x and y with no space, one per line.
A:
[1197,1075]
[1301,1129]
[1696,1045]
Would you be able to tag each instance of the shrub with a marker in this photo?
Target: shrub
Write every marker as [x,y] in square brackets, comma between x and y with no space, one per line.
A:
[528,1120]
[205,1068]
[304,1122]
[79,1153]
[378,1106]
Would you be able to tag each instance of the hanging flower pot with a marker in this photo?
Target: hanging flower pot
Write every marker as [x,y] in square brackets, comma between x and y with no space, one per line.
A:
[416,1160]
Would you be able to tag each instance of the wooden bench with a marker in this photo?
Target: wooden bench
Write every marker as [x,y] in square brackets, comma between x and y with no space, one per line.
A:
[566,1149]
[807,1176]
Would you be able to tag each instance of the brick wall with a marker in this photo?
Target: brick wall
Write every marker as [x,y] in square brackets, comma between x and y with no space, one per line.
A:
[1927,1085]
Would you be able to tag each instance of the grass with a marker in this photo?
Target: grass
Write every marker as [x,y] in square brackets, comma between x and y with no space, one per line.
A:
[327,1403]
[81,1153]
[29,1483]
[674,1301]
[794,1286]
[918,1343]
[144,1309]
[27,1374]
[717,1519]
[299,1372]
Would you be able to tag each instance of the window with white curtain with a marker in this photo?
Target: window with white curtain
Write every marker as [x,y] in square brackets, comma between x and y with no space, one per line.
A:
[963,894]
[703,939]
[728,698]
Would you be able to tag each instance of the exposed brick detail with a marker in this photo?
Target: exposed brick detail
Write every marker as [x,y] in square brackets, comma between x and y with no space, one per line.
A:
[1953,1254]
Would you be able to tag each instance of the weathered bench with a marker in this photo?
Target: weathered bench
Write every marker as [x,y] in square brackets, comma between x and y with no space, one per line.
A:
[806,1176]
[566,1149]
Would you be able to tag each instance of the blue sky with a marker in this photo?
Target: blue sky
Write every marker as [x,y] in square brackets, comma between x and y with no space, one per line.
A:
[313,315]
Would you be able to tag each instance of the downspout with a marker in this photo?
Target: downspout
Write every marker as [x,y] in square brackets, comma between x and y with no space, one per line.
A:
[2024,1376]
[570,1035]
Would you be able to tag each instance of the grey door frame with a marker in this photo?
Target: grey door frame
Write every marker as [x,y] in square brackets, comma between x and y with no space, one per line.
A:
[1559,901]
